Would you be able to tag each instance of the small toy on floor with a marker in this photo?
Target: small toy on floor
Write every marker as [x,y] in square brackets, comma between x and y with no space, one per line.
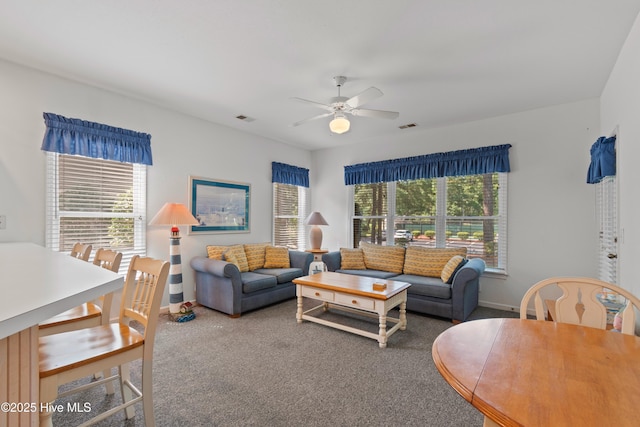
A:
[186,313]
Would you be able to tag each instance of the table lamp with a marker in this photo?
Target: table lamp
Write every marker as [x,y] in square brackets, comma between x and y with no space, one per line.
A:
[175,214]
[315,235]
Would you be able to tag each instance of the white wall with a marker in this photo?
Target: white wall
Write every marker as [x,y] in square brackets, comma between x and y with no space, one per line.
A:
[551,208]
[181,145]
[620,107]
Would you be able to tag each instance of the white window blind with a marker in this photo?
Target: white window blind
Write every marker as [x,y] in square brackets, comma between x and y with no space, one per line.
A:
[291,205]
[97,202]
[606,210]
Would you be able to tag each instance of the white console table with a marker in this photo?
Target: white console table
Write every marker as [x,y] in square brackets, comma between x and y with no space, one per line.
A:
[37,283]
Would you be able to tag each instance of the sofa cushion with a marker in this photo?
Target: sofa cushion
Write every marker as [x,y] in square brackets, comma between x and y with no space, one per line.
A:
[427,286]
[252,281]
[255,253]
[451,268]
[282,275]
[276,257]
[352,259]
[385,258]
[429,261]
[215,252]
[376,274]
[235,254]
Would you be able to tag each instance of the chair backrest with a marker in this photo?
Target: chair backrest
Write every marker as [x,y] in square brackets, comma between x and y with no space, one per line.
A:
[81,251]
[584,301]
[142,293]
[106,258]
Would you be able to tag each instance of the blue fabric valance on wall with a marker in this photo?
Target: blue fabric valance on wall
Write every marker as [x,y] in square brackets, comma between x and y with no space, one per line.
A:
[89,139]
[287,174]
[474,161]
[603,159]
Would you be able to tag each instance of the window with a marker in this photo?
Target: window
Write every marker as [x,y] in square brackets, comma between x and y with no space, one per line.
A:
[97,202]
[370,213]
[460,211]
[291,205]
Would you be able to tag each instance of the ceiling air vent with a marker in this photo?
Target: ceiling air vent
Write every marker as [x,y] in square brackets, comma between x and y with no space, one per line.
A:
[244,118]
[410,125]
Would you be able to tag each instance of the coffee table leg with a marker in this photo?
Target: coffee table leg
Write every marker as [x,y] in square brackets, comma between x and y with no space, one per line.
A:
[299,310]
[382,335]
[403,316]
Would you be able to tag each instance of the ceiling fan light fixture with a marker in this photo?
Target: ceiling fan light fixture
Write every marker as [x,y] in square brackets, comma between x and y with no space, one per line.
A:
[339,124]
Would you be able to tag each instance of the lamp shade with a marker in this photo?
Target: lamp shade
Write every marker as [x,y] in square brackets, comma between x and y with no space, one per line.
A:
[339,124]
[174,214]
[315,219]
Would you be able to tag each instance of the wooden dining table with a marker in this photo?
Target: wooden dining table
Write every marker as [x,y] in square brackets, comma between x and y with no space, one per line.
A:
[37,283]
[540,373]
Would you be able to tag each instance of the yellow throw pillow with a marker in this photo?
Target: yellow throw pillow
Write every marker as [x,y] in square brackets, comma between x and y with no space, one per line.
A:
[429,261]
[229,256]
[351,259]
[215,252]
[451,267]
[384,258]
[255,253]
[235,254]
[276,257]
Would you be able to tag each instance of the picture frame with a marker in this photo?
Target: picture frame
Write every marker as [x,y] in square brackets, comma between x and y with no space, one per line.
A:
[220,206]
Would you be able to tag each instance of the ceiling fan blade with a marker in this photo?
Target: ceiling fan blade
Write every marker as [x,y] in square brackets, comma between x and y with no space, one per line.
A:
[317,104]
[364,97]
[378,114]
[301,122]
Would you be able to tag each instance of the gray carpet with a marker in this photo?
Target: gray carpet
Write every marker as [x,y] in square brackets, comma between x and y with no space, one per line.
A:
[264,369]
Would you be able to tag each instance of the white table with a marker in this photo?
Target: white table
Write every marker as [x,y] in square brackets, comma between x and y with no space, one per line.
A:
[356,294]
[37,283]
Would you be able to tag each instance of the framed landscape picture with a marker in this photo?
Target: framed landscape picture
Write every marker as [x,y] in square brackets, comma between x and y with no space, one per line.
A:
[219,206]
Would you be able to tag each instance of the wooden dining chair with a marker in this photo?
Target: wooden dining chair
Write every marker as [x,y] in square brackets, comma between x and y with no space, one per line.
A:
[88,314]
[68,356]
[81,251]
[584,301]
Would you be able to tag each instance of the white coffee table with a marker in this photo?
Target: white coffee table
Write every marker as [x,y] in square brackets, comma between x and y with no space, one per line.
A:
[356,294]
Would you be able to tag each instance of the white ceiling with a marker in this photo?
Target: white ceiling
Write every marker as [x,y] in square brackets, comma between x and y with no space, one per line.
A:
[438,62]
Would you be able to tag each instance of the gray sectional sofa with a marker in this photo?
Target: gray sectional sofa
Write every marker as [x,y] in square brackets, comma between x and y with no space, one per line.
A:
[220,284]
[427,295]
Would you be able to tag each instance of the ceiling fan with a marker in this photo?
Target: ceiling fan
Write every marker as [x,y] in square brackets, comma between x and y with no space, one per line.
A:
[340,106]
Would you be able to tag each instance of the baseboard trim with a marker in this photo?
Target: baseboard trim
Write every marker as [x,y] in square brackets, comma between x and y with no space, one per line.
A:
[496,306]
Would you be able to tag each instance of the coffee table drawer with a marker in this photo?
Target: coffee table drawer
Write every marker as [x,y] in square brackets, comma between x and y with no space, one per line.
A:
[354,301]
[316,293]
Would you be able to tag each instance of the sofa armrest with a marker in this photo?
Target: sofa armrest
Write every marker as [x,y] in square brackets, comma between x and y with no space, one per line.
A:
[302,260]
[465,289]
[213,266]
[332,260]
[218,284]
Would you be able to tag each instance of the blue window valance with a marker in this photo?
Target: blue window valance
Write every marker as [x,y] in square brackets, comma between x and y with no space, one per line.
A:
[288,174]
[603,159]
[89,139]
[473,161]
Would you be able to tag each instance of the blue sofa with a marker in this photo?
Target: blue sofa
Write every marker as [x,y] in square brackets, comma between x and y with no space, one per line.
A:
[221,286]
[430,295]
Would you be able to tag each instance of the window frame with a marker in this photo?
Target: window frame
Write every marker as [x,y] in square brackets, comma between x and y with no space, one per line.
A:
[303,201]
[54,214]
[441,217]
